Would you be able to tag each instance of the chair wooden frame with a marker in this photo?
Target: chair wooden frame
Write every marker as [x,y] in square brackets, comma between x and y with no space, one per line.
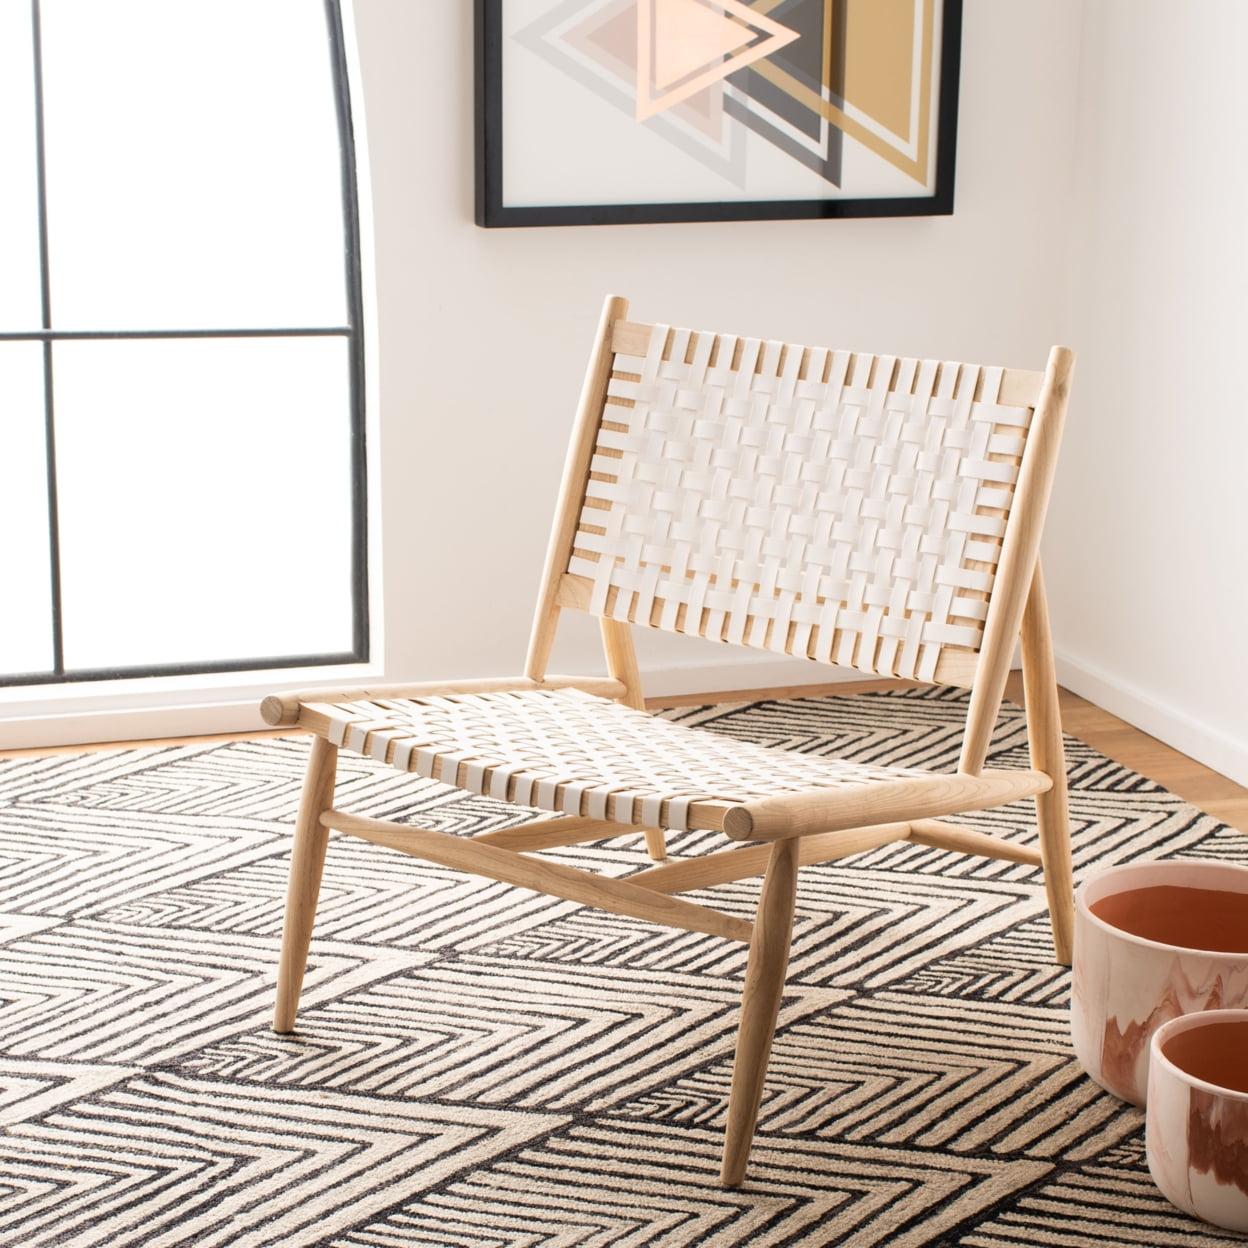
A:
[787,831]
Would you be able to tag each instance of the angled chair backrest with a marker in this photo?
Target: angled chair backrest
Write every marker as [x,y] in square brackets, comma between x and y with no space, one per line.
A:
[863,510]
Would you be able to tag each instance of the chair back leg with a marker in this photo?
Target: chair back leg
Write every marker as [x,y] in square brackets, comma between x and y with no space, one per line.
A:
[1044,734]
[617,646]
[760,1004]
[307,860]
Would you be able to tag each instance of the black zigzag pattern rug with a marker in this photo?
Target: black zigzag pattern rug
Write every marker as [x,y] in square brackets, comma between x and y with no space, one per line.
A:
[478,1066]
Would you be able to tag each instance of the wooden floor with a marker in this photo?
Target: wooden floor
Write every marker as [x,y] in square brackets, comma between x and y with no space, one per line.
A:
[1195,783]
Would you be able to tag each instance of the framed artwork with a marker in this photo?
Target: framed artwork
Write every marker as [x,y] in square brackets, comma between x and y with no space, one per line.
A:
[598,111]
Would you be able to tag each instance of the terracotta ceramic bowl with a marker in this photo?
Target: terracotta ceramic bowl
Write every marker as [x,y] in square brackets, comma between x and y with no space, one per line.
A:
[1153,941]
[1198,1115]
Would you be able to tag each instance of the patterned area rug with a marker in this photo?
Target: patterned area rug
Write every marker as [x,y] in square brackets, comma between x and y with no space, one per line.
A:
[477,1066]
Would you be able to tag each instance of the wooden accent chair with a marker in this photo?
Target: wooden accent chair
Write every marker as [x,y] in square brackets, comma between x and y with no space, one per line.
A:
[878,513]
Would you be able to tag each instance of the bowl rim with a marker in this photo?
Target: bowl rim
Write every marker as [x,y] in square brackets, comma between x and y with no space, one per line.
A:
[1082,907]
[1189,1022]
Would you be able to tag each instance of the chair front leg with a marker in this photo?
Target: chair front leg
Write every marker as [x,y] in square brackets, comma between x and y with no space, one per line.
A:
[307,860]
[760,1005]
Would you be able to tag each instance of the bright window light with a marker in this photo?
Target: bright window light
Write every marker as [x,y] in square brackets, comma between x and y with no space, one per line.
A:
[19,195]
[180,324]
[178,462]
[194,176]
[25,569]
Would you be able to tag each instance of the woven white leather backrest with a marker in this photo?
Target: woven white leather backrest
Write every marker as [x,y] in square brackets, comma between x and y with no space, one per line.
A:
[844,507]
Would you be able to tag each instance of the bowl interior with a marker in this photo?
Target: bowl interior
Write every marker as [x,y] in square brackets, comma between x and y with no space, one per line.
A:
[1181,904]
[1215,1052]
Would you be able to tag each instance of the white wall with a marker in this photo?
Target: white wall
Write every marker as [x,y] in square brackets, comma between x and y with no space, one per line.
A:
[1100,199]
[483,334]
[1147,545]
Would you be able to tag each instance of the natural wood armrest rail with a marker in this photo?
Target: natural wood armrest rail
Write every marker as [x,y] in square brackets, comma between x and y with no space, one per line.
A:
[832,810]
[282,709]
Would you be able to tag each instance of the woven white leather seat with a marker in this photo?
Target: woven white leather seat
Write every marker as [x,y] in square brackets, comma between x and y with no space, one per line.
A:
[869,511]
[571,753]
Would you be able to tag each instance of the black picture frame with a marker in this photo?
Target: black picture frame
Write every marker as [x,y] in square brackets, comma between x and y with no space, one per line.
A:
[492,213]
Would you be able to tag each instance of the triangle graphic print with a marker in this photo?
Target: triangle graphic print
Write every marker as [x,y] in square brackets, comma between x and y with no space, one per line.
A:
[685,46]
[689,36]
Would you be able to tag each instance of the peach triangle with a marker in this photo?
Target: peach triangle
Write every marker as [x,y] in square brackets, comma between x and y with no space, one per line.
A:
[689,36]
[687,45]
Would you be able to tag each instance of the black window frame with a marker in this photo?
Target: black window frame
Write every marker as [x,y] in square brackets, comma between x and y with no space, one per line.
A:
[352,331]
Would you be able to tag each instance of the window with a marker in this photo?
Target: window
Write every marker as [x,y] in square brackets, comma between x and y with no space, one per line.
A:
[181,369]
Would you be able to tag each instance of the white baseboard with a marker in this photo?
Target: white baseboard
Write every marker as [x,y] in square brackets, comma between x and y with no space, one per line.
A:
[745,671]
[79,723]
[142,708]
[129,724]
[1208,745]
[1216,749]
